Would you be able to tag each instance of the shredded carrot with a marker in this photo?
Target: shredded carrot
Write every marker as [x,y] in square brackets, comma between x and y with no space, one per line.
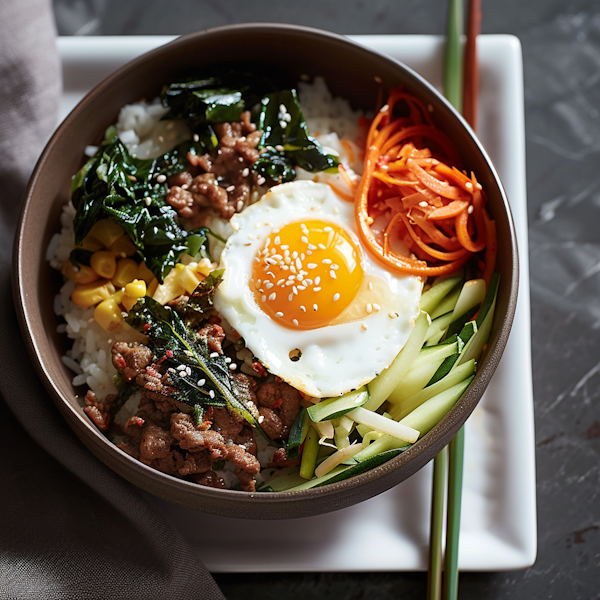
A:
[433,207]
[342,195]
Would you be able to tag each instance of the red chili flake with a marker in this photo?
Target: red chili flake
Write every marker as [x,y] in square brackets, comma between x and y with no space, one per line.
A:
[277,403]
[137,421]
[121,362]
[146,326]
[210,410]
[169,354]
[259,369]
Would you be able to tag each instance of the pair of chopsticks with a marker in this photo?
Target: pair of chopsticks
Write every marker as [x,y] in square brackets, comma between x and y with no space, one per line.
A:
[461,86]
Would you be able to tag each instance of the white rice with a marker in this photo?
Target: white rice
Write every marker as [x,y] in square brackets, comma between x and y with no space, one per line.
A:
[140,128]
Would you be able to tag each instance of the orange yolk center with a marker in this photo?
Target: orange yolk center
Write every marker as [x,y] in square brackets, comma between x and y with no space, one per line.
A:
[306,274]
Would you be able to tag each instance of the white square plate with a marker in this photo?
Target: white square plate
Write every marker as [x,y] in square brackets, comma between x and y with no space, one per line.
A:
[390,532]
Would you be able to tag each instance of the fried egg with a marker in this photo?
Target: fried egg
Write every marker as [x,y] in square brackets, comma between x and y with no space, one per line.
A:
[311,304]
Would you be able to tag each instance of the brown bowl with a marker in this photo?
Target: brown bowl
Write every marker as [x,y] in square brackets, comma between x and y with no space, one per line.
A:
[349,70]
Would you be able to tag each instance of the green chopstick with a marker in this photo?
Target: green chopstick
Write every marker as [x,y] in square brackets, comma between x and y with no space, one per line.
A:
[453,90]
[453,59]
[434,579]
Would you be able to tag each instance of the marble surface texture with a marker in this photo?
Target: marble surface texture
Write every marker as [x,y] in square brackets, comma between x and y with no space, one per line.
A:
[561,45]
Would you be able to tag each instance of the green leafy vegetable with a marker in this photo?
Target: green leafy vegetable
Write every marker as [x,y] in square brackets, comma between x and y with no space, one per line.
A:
[286,140]
[298,434]
[116,185]
[195,376]
[200,304]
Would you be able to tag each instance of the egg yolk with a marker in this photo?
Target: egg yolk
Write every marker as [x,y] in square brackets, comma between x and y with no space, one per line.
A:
[306,274]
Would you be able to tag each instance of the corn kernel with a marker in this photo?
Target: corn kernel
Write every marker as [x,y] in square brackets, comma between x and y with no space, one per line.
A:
[136,289]
[152,287]
[91,244]
[104,263]
[118,296]
[125,272]
[189,280]
[204,267]
[81,276]
[128,302]
[123,246]
[90,294]
[108,315]
[171,288]
[106,232]
[144,273]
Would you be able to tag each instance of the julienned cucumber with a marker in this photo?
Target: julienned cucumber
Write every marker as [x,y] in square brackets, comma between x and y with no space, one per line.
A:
[435,294]
[332,408]
[485,318]
[436,353]
[456,375]
[414,381]
[448,303]
[383,385]
[437,329]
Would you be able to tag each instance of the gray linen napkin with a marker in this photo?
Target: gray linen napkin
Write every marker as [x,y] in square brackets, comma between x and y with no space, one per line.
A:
[69,527]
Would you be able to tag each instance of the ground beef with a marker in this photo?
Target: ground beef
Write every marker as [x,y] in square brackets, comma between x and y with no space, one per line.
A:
[195,462]
[280,459]
[222,182]
[98,412]
[281,398]
[155,442]
[215,335]
[218,447]
[270,423]
[130,359]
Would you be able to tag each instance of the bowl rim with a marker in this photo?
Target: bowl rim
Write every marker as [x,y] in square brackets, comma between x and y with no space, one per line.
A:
[434,440]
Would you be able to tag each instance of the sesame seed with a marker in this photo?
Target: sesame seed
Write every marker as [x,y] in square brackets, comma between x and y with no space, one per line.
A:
[260,180]
[196,137]
[295,290]
[239,205]
[211,393]
[291,297]
[272,296]
[323,246]
[364,326]
[286,248]
[277,240]
[332,274]
[161,139]
[294,254]
[478,186]
[336,297]
[326,261]
[317,280]
[227,360]
[312,265]
[369,308]
[182,367]
[315,307]
[295,322]
[132,177]
[263,298]
[470,209]
[201,382]
[161,178]
[280,281]
[376,307]
[246,172]
[214,355]
[327,229]
[230,188]
[312,247]
[279,314]
[261,419]
[282,109]
[298,264]
[303,308]
[378,79]
[279,147]
[232,367]
[469,185]
[283,124]
[309,253]
[385,108]
[148,201]
[370,286]
[302,256]
[335,267]
[393,315]
[304,239]
[423,204]
[316,289]
[268,285]
[185,186]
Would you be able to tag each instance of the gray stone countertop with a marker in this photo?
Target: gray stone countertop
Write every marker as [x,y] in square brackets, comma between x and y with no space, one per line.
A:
[561,45]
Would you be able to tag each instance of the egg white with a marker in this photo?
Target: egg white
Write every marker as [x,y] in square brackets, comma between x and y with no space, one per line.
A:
[336,358]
